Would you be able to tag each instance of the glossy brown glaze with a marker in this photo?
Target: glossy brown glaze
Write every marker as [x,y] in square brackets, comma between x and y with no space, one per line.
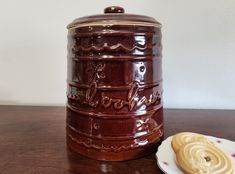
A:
[114,108]
[33,141]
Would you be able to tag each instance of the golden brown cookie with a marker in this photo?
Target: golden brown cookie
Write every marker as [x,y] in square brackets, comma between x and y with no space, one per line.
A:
[183,138]
[203,158]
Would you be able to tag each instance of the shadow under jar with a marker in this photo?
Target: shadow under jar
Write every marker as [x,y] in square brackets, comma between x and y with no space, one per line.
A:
[114,91]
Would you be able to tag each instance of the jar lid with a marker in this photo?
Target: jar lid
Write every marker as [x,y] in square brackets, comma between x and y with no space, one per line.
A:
[114,15]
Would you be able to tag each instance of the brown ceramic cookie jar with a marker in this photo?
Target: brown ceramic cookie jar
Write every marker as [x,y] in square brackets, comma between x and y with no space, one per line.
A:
[114,91]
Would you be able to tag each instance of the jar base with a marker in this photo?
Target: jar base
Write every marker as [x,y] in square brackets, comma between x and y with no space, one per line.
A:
[114,156]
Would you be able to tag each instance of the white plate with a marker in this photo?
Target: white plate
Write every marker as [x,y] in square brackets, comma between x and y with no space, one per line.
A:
[166,156]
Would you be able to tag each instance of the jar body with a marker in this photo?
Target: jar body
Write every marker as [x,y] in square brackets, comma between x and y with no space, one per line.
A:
[114,108]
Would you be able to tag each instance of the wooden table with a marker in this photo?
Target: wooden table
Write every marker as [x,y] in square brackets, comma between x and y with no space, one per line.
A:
[32,140]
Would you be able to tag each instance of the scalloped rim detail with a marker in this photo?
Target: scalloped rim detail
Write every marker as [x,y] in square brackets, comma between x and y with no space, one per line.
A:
[115,47]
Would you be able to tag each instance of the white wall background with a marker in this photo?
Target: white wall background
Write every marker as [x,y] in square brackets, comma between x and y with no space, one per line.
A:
[198,39]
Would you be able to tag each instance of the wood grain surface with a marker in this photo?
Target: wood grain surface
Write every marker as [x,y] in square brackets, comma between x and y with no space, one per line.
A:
[32,141]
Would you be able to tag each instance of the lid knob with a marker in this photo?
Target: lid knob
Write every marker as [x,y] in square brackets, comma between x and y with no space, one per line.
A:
[114,9]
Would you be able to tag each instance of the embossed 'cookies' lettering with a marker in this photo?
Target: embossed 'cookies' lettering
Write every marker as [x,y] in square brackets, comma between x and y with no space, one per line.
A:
[133,101]
[95,71]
